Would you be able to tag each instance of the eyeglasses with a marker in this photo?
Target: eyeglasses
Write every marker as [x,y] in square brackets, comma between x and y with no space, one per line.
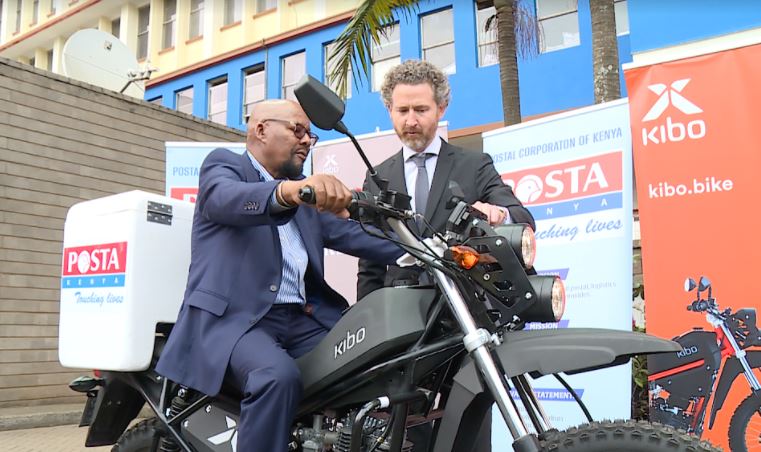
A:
[298,130]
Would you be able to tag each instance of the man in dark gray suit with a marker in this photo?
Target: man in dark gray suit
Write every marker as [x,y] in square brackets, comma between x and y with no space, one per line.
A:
[416,94]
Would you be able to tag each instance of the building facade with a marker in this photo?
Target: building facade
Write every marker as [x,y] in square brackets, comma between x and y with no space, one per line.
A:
[216,58]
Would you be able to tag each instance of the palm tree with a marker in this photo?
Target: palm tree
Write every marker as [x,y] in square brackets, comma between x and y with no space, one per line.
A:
[604,51]
[517,30]
[516,27]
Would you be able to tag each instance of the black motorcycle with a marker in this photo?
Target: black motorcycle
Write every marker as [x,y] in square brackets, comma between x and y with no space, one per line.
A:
[682,383]
[444,353]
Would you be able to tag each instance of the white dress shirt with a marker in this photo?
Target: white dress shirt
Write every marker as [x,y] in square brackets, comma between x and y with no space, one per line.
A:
[410,167]
[410,171]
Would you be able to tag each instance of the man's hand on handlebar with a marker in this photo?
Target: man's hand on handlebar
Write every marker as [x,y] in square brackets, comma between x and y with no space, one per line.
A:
[330,194]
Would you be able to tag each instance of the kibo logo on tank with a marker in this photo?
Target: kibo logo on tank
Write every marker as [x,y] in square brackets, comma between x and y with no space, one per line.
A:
[670,129]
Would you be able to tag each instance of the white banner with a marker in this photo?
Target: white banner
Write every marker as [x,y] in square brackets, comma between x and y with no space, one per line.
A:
[573,171]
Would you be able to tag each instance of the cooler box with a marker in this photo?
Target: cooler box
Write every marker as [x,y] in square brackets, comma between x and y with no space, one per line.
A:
[125,267]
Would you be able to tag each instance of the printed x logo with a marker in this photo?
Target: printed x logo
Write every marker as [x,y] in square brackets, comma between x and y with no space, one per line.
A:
[230,435]
[670,96]
[330,160]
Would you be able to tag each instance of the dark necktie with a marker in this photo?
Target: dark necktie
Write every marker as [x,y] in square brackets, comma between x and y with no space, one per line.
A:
[421,182]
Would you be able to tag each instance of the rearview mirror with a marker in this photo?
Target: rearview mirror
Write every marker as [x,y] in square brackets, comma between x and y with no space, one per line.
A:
[705,283]
[323,107]
[689,285]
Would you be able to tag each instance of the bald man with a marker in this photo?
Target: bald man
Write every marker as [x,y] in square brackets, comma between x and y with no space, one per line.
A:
[256,297]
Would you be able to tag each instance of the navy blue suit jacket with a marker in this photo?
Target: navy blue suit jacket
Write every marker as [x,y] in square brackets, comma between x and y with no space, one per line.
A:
[236,267]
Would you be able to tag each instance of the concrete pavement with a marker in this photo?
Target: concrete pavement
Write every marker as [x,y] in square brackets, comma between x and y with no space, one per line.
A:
[62,438]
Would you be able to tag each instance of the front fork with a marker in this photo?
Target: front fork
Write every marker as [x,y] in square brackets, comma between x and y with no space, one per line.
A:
[741,356]
[477,342]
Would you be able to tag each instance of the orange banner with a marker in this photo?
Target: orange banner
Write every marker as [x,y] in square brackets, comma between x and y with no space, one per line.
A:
[696,135]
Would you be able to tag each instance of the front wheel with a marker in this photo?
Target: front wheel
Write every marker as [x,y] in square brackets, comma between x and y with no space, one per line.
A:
[623,436]
[745,425]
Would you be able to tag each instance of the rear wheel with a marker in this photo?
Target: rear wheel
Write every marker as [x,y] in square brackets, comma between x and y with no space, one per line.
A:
[623,436]
[745,426]
[139,437]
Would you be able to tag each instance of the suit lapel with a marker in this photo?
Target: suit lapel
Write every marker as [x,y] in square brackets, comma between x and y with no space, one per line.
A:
[444,165]
[252,175]
[396,180]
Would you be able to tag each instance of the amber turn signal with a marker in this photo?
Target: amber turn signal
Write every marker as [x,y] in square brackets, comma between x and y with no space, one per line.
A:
[465,256]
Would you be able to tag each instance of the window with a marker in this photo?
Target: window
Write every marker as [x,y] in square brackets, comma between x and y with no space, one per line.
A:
[196,19]
[264,5]
[32,62]
[253,89]
[386,55]
[330,67]
[559,22]
[218,100]
[18,16]
[622,17]
[35,11]
[294,67]
[233,11]
[157,100]
[54,4]
[438,40]
[488,52]
[184,100]
[116,27]
[143,18]
[49,65]
[170,16]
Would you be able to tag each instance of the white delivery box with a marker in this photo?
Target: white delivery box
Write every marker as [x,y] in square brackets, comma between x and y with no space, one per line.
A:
[125,267]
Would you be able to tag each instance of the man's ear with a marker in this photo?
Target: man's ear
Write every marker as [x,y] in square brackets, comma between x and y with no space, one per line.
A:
[259,131]
[441,110]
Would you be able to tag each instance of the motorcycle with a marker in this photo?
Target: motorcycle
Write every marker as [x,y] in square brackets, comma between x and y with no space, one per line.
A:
[682,383]
[444,353]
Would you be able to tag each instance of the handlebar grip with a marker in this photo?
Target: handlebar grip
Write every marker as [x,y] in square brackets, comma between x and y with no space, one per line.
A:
[307,195]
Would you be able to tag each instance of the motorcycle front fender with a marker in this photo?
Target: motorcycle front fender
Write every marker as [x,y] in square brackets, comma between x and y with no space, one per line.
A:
[732,368]
[537,353]
[574,350]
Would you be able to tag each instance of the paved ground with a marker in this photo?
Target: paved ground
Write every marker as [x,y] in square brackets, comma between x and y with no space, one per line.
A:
[64,438]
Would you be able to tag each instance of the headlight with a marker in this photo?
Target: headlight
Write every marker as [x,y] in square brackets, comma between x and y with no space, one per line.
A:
[522,240]
[550,299]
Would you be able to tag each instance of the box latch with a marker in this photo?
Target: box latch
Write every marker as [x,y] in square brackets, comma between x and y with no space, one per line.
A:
[159,213]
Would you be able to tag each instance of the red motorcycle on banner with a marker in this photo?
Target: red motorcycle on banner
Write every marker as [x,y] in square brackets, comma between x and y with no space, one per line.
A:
[682,383]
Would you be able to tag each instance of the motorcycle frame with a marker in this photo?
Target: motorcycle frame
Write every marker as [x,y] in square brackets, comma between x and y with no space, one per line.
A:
[480,377]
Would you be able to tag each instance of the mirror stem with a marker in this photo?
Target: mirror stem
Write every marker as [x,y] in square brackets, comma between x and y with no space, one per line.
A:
[381,183]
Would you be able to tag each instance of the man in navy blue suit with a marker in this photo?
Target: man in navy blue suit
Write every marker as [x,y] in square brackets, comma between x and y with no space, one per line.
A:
[256,298]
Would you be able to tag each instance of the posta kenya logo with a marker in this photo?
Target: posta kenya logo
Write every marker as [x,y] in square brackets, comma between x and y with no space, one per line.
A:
[671,100]
[105,259]
[568,180]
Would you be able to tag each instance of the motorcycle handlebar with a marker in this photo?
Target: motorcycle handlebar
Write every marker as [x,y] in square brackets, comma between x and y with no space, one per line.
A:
[699,306]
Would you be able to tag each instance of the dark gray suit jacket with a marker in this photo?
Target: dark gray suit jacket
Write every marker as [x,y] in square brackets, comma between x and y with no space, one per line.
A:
[473,171]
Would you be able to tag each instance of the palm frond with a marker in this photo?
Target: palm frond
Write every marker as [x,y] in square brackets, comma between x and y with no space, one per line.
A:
[527,29]
[353,47]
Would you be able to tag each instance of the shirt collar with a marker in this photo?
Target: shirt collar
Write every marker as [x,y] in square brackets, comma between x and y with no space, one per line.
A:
[259,167]
[433,148]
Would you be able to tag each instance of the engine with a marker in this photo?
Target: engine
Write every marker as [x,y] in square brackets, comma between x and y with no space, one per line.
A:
[331,435]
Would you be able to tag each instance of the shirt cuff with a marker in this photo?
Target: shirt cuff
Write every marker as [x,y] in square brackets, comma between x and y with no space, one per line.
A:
[507,219]
[275,206]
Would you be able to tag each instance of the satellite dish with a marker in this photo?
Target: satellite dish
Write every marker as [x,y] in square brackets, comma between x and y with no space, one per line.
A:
[101,59]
